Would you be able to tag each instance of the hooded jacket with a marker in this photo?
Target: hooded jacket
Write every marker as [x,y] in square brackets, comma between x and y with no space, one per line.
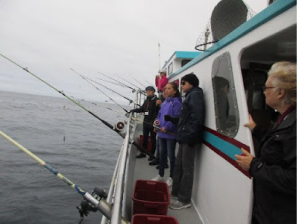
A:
[191,122]
[274,171]
[171,106]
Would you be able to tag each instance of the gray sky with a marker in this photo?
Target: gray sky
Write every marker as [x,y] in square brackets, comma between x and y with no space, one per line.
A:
[114,37]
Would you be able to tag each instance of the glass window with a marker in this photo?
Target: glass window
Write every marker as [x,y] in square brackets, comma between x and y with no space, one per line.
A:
[185,62]
[225,100]
[170,68]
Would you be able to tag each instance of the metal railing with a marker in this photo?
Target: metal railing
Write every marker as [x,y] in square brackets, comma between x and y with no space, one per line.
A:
[115,194]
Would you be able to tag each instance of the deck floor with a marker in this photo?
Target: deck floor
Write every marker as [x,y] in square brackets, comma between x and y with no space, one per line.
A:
[144,171]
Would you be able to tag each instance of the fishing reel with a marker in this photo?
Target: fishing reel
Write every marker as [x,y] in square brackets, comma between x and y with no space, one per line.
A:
[85,206]
[120,126]
[156,124]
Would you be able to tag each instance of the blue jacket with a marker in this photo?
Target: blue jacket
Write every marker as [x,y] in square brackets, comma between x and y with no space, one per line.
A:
[171,106]
[191,122]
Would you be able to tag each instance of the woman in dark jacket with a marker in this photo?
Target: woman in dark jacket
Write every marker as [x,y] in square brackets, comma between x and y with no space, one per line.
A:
[274,167]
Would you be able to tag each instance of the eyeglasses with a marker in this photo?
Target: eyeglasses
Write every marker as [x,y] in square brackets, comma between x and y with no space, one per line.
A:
[183,83]
[267,87]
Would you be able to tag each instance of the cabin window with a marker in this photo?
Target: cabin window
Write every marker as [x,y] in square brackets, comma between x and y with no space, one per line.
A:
[170,68]
[184,62]
[225,100]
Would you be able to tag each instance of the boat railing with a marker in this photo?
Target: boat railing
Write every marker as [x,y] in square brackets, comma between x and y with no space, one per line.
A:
[115,194]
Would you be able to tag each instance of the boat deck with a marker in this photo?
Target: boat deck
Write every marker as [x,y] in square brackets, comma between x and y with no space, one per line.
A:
[144,171]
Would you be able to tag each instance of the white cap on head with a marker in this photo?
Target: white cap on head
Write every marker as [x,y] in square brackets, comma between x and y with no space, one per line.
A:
[162,71]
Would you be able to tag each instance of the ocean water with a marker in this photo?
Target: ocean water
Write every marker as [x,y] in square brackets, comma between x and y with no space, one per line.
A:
[69,139]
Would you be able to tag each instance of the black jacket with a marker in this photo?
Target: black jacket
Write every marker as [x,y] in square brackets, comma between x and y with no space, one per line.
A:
[274,173]
[149,106]
[191,121]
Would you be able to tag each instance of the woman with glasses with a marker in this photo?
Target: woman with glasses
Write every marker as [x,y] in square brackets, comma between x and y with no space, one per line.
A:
[274,167]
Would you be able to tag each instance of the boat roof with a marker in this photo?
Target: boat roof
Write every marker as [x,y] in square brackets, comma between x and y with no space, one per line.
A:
[267,14]
[183,55]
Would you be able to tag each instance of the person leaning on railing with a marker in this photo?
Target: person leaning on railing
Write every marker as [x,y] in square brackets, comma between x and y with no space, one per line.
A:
[274,168]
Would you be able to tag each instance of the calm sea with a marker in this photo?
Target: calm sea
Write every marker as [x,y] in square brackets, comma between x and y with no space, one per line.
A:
[69,139]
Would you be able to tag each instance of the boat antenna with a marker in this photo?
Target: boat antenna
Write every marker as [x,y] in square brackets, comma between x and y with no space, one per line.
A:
[159,55]
[98,204]
[78,104]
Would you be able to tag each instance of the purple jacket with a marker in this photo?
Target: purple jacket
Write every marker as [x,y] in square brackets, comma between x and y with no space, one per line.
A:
[171,106]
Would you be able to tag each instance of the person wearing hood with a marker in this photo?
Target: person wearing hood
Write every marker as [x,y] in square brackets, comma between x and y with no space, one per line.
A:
[150,108]
[190,137]
[167,132]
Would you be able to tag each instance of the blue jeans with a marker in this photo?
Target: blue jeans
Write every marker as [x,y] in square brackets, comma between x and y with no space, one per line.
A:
[166,147]
[184,172]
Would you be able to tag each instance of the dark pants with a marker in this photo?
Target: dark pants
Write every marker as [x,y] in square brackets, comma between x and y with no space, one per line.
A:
[166,147]
[183,172]
[149,129]
[254,221]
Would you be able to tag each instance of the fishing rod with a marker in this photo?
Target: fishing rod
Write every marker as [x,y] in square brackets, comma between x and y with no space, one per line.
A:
[133,90]
[86,79]
[108,108]
[96,199]
[130,83]
[137,81]
[78,104]
[83,77]
[148,82]
[119,84]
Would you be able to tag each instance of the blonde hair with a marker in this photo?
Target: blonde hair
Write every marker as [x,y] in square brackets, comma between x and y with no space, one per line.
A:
[285,77]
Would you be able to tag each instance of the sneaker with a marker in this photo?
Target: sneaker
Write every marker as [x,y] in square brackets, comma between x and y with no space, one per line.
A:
[150,159]
[173,198]
[169,182]
[177,205]
[158,178]
[154,162]
[158,167]
[141,155]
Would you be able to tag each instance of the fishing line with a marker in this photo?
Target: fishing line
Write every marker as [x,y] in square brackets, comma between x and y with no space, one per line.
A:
[83,77]
[100,205]
[114,83]
[137,81]
[133,90]
[86,79]
[130,83]
[78,104]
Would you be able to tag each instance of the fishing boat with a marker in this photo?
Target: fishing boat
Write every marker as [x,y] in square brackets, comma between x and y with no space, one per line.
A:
[241,52]
[222,192]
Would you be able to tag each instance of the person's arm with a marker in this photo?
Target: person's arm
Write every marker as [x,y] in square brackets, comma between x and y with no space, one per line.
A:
[175,113]
[157,81]
[163,81]
[279,178]
[140,109]
[197,115]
